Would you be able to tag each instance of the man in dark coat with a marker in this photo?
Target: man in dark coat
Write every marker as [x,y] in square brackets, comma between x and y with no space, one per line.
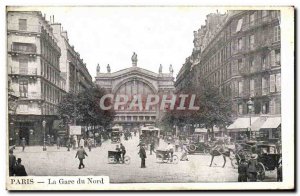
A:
[252,168]
[242,170]
[143,156]
[81,155]
[123,151]
[12,162]
[20,169]
[152,146]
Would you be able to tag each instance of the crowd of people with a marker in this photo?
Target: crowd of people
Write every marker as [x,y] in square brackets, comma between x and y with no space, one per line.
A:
[16,168]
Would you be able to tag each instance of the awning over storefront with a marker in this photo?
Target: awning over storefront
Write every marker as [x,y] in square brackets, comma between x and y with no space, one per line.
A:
[242,124]
[255,126]
[271,123]
[200,130]
[204,130]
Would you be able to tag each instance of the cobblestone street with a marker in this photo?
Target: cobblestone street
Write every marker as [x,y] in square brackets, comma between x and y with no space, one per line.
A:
[60,162]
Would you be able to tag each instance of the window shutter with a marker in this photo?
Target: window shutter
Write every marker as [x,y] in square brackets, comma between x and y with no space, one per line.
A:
[239,25]
[236,89]
[272,107]
[272,83]
[272,58]
[240,88]
[278,82]
[263,85]
[252,88]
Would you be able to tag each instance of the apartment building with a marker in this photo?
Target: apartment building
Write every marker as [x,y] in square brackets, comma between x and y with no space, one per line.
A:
[34,75]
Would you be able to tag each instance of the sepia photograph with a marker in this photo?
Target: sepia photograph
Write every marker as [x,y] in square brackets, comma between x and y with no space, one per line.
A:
[149,97]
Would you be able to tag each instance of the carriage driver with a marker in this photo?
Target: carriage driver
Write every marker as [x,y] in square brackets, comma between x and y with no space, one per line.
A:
[123,151]
[118,155]
[170,150]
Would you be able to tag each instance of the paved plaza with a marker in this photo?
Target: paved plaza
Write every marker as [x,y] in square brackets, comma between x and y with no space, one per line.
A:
[60,162]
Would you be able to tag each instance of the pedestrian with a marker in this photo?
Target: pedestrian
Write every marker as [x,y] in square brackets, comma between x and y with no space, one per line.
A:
[143,155]
[52,140]
[252,165]
[12,162]
[118,155]
[184,153]
[20,169]
[152,146]
[23,144]
[89,144]
[176,144]
[81,155]
[279,170]
[170,150]
[68,143]
[58,142]
[242,170]
[123,151]
[81,142]
[75,142]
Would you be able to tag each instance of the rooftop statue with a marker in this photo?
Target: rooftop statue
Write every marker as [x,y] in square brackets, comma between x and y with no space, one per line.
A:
[160,69]
[108,68]
[171,69]
[134,59]
[98,68]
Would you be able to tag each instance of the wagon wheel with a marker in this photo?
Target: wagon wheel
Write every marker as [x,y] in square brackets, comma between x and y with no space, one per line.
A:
[127,160]
[111,160]
[192,148]
[261,171]
[175,159]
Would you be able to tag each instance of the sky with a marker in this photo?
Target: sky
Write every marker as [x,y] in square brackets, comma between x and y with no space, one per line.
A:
[110,35]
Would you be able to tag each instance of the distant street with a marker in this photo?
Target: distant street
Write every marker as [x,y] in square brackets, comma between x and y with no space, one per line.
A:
[60,162]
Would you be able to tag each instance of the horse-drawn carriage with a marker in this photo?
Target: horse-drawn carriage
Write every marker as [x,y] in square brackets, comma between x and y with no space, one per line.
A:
[164,156]
[115,136]
[196,145]
[267,156]
[149,135]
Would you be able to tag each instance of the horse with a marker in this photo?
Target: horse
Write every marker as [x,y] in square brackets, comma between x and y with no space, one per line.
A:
[220,151]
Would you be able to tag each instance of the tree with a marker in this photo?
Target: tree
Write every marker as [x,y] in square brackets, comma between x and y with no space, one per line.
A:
[214,108]
[84,108]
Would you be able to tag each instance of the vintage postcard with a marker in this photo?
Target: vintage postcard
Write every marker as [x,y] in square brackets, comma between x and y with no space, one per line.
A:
[150,97]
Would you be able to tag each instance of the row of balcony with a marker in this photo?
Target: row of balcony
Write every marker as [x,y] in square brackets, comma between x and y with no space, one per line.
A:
[18,71]
[246,70]
[257,92]
[257,22]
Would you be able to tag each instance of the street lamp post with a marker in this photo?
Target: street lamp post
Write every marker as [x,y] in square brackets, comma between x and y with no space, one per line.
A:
[250,107]
[44,128]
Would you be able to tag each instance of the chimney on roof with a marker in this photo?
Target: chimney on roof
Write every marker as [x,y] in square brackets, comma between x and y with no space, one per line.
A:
[65,35]
[50,19]
[53,18]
